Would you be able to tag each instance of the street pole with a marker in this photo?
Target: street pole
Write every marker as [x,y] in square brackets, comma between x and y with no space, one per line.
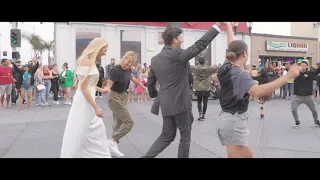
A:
[14,26]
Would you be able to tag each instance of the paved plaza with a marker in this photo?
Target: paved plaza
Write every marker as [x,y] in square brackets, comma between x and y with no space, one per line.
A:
[37,133]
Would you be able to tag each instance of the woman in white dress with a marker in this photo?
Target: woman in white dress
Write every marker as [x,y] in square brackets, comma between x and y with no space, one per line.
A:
[85,134]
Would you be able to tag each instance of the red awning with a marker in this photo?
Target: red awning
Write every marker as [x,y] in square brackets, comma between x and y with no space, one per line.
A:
[242,27]
[192,23]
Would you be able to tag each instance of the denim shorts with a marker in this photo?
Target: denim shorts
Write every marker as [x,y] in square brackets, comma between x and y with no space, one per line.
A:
[26,88]
[232,129]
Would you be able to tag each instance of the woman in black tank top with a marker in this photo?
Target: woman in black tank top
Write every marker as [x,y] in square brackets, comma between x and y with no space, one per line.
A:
[55,83]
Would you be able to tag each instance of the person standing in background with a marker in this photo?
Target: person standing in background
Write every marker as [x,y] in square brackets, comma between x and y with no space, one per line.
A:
[55,83]
[145,68]
[66,81]
[47,76]
[109,67]
[6,81]
[15,73]
[101,73]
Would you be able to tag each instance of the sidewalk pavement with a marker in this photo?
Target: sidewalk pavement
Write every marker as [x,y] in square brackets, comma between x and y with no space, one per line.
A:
[37,133]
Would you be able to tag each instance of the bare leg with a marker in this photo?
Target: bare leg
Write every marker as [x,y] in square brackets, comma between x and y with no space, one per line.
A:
[2,101]
[236,151]
[21,100]
[29,94]
[8,100]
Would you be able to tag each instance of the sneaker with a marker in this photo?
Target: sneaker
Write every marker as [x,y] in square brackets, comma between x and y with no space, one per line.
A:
[57,102]
[101,97]
[297,125]
[317,124]
[200,117]
[113,147]
[261,116]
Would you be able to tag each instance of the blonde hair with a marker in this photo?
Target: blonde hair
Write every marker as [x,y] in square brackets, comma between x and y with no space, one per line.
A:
[91,52]
[128,54]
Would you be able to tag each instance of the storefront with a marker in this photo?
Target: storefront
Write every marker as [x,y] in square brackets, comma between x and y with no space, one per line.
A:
[282,49]
[141,37]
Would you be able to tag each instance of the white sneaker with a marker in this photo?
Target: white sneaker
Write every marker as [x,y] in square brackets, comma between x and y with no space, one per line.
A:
[101,97]
[113,147]
[57,102]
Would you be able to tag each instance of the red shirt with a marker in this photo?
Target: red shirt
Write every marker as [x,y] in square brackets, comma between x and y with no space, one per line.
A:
[5,75]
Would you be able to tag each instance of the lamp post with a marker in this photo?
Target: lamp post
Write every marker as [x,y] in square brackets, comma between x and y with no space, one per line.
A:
[235,26]
[249,24]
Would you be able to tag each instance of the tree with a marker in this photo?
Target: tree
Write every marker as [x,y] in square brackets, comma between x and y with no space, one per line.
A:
[48,45]
[36,43]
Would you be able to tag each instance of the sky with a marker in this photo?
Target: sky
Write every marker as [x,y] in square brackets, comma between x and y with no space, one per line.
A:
[45,30]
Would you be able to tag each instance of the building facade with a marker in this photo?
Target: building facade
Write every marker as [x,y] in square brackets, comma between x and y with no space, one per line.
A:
[283,49]
[304,29]
[142,37]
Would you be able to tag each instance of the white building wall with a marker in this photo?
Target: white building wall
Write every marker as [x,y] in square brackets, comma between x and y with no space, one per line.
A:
[66,42]
[63,44]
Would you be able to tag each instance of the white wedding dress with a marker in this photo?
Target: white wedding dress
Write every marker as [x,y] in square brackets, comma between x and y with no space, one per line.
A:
[85,134]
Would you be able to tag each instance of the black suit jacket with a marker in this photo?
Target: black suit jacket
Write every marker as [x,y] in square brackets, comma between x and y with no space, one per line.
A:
[171,68]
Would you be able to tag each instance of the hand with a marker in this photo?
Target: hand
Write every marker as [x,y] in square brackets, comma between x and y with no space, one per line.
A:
[106,91]
[64,76]
[99,112]
[294,71]
[226,23]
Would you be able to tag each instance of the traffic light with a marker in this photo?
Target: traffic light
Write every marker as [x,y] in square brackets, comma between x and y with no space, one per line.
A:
[15,37]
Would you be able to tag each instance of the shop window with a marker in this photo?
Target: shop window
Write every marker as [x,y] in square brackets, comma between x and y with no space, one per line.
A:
[131,41]
[83,37]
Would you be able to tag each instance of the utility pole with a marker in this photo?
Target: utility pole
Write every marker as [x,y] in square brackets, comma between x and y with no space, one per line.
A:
[14,26]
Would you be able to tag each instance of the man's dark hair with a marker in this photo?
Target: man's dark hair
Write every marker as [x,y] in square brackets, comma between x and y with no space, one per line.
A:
[202,60]
[3,60]
[170,33]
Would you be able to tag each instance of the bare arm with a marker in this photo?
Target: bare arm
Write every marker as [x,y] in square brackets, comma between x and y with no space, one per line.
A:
[48,77]
[84,87]
[135,80]
[87,94]
[109,84]
[268,88]
[200,45]
[230,36]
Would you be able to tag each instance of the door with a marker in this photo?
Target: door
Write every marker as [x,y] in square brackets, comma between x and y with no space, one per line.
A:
[133,39]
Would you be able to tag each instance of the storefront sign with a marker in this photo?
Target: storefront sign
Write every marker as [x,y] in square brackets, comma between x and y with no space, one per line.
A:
[286,46]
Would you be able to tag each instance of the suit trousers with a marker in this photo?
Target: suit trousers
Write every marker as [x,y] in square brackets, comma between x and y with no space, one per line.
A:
[183,122]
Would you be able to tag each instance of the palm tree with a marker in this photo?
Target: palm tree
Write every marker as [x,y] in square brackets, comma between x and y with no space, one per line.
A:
[48,45]
[36,43]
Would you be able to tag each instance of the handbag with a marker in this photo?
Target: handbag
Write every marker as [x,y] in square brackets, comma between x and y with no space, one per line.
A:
[40,87]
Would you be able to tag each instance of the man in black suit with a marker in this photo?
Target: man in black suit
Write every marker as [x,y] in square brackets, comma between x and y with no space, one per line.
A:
[171,68]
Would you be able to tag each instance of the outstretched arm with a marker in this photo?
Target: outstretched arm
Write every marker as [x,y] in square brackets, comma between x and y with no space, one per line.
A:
[201,44]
